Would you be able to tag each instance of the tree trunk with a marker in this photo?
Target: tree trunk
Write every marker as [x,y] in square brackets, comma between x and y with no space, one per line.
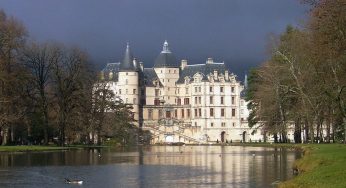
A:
[344,122]
[297,132]
[4,136]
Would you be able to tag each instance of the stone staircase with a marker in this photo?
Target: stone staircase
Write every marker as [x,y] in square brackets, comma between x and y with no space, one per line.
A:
[156,131]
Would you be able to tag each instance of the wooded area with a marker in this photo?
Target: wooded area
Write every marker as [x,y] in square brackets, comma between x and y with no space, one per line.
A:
[50,93]
[304,82]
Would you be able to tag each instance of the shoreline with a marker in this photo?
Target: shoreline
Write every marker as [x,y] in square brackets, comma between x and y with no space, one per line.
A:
[38,148]
[321,165]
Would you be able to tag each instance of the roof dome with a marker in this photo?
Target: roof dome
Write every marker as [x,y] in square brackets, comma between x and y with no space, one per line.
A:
[165,58]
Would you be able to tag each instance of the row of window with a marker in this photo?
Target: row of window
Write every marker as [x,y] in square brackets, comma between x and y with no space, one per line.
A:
[211,89]
[223,124]
[169,71]
[198,100]
[197,90]
[127,91]
[197,113]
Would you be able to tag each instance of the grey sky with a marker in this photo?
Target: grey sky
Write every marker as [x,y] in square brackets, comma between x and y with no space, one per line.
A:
[234,31]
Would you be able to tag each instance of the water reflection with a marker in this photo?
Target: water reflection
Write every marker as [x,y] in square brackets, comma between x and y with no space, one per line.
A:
[157,166]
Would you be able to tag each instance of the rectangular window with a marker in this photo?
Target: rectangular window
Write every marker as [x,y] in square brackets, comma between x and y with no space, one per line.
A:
[210,89]
[119,91]
[199,89]
[195,100]
[211,124]
[156,102]
[186,101]
[188,113]
[233,112]
[195,89]
[223,124]
[221,100]
[182,113]
[200,112]
[134,91]
[200,100]
[160,114]
[134,101]
[150,114]
[179,102]
[157,92]
[211,112]
[186,90]
[233,100]
[168,114]
[211,100]
[222,112]
[221,89]
[232,89]
[196,113]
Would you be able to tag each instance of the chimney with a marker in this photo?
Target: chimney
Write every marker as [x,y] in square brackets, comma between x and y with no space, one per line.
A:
[226,75]
[183,64]
[141,65]
[215,74]
[135,64]
[210,61]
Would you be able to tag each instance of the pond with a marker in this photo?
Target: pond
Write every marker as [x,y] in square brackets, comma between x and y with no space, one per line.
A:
[152,166]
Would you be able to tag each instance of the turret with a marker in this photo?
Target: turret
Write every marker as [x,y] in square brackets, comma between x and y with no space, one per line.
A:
[128,82]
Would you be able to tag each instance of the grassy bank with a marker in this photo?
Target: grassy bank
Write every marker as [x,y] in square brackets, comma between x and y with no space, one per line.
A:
[29,148]
[45,148]
[323,165]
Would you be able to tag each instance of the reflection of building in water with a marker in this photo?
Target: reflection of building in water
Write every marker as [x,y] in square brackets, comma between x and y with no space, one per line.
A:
[195,103]
[231,166]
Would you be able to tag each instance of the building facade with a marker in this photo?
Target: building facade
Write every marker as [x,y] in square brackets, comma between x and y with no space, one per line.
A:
[179,102]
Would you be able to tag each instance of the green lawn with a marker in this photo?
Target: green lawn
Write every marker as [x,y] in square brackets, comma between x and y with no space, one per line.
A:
[29,148]
[323,165]
[44,148]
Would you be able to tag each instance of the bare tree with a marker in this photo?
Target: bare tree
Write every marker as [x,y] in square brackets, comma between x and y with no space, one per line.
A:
[12,38]
[68,74]
[38,59]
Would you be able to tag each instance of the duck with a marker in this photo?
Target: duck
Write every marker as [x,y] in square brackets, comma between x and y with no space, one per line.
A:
[73,181]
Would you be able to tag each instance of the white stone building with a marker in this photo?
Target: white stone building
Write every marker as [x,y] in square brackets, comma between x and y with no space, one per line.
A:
[178,102]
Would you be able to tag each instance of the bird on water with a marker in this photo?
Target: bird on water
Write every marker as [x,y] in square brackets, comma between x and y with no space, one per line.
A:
[73,181]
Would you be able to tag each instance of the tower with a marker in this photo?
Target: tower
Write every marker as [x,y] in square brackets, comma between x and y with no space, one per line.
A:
[128,82]
[167,70]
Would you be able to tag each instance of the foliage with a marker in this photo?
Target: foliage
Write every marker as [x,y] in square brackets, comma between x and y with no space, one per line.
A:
[57,97]
[303,82]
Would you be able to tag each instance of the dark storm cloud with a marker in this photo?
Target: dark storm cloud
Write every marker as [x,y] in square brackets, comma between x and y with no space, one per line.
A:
[234,31]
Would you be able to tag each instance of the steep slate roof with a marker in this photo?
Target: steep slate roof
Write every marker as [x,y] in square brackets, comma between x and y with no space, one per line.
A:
[149,76]
[127,63]
[166,58]
[204,69]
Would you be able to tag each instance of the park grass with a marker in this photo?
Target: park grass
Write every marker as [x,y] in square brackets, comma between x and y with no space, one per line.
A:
[26,148]
[323,165]
[30,148]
